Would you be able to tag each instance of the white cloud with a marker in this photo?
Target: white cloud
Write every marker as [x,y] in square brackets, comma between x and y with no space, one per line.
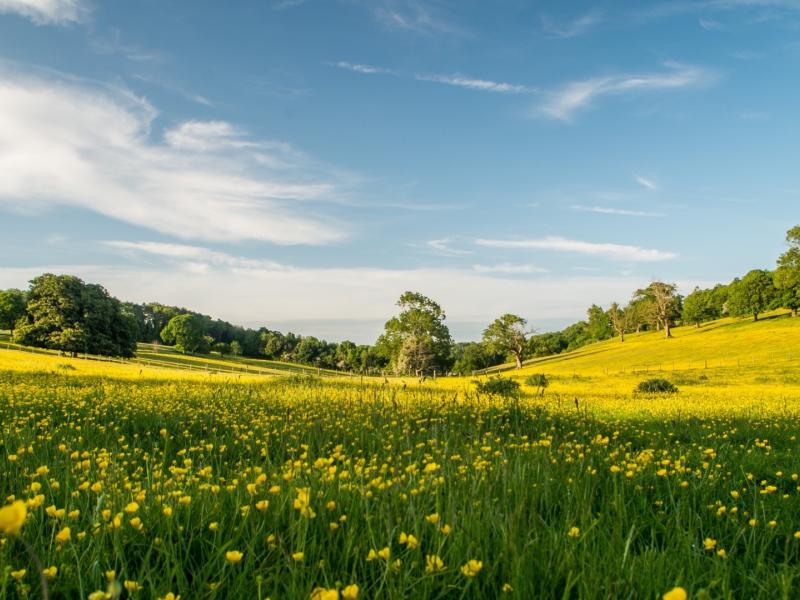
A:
[74,144]
[484,85]
[47,12]
[617,211]
[193,255]
[477,84]
[441,247]
[646,182]
[576,27]
[611,251]
[509,268]
[361,68]
[561,104]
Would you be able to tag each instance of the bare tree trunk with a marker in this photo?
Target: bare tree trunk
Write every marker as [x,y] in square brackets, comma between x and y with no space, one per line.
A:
[697,325]
[621,336]
[519,361]
[794,314]
[755,316]
[638,328]
[667,334]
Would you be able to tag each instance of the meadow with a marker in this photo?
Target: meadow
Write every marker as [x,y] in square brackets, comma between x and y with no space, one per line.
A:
[154,485]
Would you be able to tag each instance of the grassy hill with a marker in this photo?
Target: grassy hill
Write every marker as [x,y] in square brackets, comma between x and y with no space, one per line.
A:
[166,357]
[774,339]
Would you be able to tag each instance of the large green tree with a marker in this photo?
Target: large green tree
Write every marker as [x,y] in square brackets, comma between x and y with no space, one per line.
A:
[186,333]
[509,335]
[12,309]
[787,275]
[754,294]
[64,313]
[422,319]
[700,306]
[660,303]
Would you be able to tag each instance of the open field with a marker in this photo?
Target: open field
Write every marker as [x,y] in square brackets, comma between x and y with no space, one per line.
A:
[587,491]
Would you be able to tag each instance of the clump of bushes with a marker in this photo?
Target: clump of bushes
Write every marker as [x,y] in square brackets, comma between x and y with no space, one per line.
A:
[502,386]
[656,386]
[538,380]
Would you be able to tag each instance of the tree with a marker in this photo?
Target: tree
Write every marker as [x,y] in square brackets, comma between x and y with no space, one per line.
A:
[753,295]
[12,309]
[422,319]
[222,348]
[236,348]
[186,333]
[699,307]
[661,303]
[787,275]
[475,357]
[599,326]
[508,335]
[415,356]
[66,314]
[620,319]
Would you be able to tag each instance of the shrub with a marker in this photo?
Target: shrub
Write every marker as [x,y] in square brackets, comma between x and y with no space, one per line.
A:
[656,386]
[502,386]
[537,380]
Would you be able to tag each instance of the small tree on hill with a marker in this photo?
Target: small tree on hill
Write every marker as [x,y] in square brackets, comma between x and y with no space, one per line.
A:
[663,303]
[222,348]
[12,309]
[787,275]
[508,335]
[186,333]
[753,295]
[236,348]
[620,319]
[699,307]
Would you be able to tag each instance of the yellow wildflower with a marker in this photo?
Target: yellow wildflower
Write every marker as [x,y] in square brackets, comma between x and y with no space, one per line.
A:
[12,517]
[471,568]
[233,556]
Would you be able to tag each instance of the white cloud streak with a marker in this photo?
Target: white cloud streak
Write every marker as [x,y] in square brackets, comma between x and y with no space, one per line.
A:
[441,247]
[47,12]
[563,103]
[73,144]
[646,182]
[484,85]
[617,211]
[560,244]
[575,28]
[509,268]
[193,255]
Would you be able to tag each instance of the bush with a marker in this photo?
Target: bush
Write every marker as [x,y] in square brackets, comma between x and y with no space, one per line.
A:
[656,386]
[537,380]
[497,385]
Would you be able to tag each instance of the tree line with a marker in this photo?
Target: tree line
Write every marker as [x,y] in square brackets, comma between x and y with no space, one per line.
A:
[62,312]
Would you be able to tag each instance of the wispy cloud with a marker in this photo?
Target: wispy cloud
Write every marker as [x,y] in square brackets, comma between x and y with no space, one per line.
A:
[415,16]
[484,85]
[611,251]
[64,142]
[47,12]
[646,182]
[477,84]
[194,255]
[178,90]
[509,268]
[563,103]
[441,247]
[617,211]
[361,68]
[573,28]
[711,25]
[284,4]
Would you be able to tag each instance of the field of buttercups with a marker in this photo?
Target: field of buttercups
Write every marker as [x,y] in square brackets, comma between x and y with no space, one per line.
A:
[159,486]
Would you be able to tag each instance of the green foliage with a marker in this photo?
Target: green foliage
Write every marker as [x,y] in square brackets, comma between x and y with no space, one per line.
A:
[508,335]
[473,357]
[421,318]
[656,386]
[754,294]
[787,275]
[236,348]
[64,313]
[599,323]
[501,386]
[222,348]
[12,308]
[537,380]
[186,333]
[704,305]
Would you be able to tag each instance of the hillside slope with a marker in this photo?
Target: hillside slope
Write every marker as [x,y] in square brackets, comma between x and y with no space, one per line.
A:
[774,338]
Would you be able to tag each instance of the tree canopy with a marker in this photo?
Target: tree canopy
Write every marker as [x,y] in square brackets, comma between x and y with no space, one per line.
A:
[64,313]
[754,294]
[508,334]
[12,309]
[187,334]
[422,319]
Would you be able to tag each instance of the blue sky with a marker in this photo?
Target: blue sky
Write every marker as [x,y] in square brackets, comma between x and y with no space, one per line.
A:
[299,164]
